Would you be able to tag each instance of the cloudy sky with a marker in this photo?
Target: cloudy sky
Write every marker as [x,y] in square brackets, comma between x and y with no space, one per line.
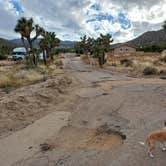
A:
[70,19]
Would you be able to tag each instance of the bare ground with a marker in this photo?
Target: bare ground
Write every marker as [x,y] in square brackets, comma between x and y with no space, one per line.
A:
[110,114]
[23,106]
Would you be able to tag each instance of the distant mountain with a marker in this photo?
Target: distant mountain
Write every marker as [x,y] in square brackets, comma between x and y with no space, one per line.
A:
[146,39]
[36,43]
[8,43]
[149,38]
[67,43]
[19,42]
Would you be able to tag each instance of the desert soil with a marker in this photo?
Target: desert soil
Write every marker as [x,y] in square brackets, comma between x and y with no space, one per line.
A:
[97,120]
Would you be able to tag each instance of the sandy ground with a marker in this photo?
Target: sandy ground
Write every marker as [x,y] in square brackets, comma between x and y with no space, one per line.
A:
[23,106]
[109,115]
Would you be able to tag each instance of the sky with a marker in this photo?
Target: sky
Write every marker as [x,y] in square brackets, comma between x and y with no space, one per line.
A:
[71,19]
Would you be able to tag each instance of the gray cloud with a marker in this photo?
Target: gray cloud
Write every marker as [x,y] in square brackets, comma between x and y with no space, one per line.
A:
[60,12]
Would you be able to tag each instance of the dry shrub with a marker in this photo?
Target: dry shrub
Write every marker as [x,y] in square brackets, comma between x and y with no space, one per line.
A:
[85,59]
[58,62]
[163,72]
[140,66]
[126,62]
[32,76]
[150,71]
[157,62]
[21,76]
[112,63]
[42,69]
[8,80]
[17,78]
[163,59]
[16,75]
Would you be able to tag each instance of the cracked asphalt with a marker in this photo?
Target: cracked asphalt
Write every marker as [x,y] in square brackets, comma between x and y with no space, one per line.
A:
[131,106]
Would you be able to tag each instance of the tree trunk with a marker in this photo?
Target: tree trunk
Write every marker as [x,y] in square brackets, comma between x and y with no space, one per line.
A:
[44,57]
[47,53]
[32,57]
[23,41]
[52,57]
[100,61]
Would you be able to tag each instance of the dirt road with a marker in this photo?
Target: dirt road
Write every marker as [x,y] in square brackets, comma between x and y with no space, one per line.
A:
[111,115]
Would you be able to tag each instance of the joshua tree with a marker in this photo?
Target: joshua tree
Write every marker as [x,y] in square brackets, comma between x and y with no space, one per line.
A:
[96,47]
[102,46]
[43,46]
[53,42]
[47,43]
[25,27]
[105,41]
[84,44]
[78,48]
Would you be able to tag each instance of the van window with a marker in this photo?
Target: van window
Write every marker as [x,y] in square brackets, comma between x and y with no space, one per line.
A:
[19,53]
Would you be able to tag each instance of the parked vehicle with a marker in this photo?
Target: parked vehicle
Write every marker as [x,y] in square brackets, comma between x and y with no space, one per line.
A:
[19,53]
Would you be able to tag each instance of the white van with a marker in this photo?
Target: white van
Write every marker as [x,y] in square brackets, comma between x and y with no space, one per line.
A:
[19,53]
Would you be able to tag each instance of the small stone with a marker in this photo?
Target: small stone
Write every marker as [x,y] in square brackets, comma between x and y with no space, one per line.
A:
[45,147]
[30,147]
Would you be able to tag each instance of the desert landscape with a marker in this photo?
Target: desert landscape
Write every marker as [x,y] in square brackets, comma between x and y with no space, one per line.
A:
[82,83]
[108,113]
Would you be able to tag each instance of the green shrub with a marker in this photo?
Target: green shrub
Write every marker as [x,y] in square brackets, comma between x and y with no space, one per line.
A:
[150,71]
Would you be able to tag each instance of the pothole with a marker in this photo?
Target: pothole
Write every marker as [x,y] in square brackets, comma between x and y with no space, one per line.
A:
[84,138]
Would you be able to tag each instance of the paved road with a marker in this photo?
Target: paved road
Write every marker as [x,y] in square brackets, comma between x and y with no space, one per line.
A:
[26,143]
[132,107]
[87,73]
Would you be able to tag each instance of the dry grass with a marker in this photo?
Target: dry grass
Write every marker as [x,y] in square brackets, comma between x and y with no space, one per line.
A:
[139,63]
[18,75]
[16,78]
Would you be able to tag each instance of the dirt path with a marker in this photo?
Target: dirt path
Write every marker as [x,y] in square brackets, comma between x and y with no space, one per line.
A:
[23,106]
[108,118]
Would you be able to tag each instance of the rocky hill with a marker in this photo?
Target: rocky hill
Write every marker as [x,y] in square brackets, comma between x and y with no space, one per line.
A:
[149,38]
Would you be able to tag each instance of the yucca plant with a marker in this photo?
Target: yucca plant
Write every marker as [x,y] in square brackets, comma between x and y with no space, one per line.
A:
[26,27]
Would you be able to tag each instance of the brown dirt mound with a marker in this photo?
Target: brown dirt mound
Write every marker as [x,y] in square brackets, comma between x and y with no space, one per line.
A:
[27,104]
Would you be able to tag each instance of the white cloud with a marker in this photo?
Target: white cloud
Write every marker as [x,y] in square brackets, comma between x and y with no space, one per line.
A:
[68,18]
